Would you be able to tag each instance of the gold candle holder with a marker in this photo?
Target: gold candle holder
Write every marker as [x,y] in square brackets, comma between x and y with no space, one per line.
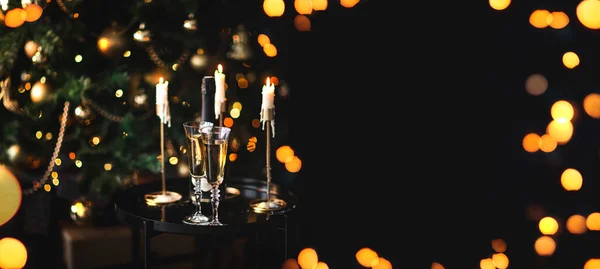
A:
[270,204]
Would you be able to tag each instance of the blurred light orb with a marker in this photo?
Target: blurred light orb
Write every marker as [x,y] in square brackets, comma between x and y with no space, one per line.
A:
[548,226]
[274,8]
[321,265]
[302,23]
[576,224]
[319,5]
[367,257]
[593,263]
[591,105]
[13,253]
[531,142]
[500,260]
[592,222]
[290,264]
[499,245]
[536,84]
[263,40]
[558,20]
[349,3]
[588,13]
[487,263]
[10,195]
[437,265]
[571,180]
[382,263]
[545,246]
[308,258]
[303,7]
[34,12]
[562,111]
[15,17]
[499,4]
[571,59]
[547,143]
[560,130]
[539,18]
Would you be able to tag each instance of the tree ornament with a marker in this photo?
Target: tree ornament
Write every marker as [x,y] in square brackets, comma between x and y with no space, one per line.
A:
[31,47]
[240,46]
[190,23]
[142,35]
[81,211]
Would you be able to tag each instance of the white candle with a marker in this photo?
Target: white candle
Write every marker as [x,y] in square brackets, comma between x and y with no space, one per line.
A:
[162,101]
[219,90]
[268,102]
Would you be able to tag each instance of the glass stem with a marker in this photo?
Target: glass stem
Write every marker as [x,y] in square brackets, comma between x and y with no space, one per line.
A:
[198,195]
[215,194]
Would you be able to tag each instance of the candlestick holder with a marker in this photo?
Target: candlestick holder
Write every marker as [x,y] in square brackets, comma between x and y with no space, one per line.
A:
[162,197]
[270,204]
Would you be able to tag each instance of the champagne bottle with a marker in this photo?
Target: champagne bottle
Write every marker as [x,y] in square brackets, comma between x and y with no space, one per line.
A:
[208,99]
[208,115]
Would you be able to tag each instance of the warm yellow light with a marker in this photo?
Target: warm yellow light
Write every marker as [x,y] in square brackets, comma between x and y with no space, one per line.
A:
[487,263]
[588,13]
[274,8]
[571,179]
[500,260]
[13,253]
[593,263]
[571,59]
[560,130]
[562,110]
[308,258]
[499,4]
[10,195]
[548,226]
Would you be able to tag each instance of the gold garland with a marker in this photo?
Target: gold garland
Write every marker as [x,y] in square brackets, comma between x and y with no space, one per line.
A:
[7,101]
[104,113]
[61,133]
[185,55]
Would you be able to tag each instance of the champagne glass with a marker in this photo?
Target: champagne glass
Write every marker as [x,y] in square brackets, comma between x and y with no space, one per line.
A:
[215,140]
[197,171]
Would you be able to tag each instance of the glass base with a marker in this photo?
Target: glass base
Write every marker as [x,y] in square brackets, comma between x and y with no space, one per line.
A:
[264,206]
[212,223]
[159,198]
[196,219]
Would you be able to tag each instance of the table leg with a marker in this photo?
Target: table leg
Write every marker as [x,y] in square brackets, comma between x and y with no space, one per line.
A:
[135,247]
[146,230]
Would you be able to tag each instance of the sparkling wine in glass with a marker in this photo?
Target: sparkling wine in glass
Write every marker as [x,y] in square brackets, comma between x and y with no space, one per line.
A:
[196,164]
[215,140]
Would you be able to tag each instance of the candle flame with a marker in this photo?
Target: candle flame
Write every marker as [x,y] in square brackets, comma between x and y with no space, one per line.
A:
[161,80]
[220,68]
[268,81]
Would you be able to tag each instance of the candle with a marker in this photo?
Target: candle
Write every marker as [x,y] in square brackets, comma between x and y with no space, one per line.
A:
[162,101]
[219,90]
[268,95]
[268,99]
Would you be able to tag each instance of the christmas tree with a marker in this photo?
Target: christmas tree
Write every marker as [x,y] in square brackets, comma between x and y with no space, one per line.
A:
[78,88]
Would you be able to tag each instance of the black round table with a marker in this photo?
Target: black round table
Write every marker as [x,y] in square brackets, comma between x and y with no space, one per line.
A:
[234,210]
